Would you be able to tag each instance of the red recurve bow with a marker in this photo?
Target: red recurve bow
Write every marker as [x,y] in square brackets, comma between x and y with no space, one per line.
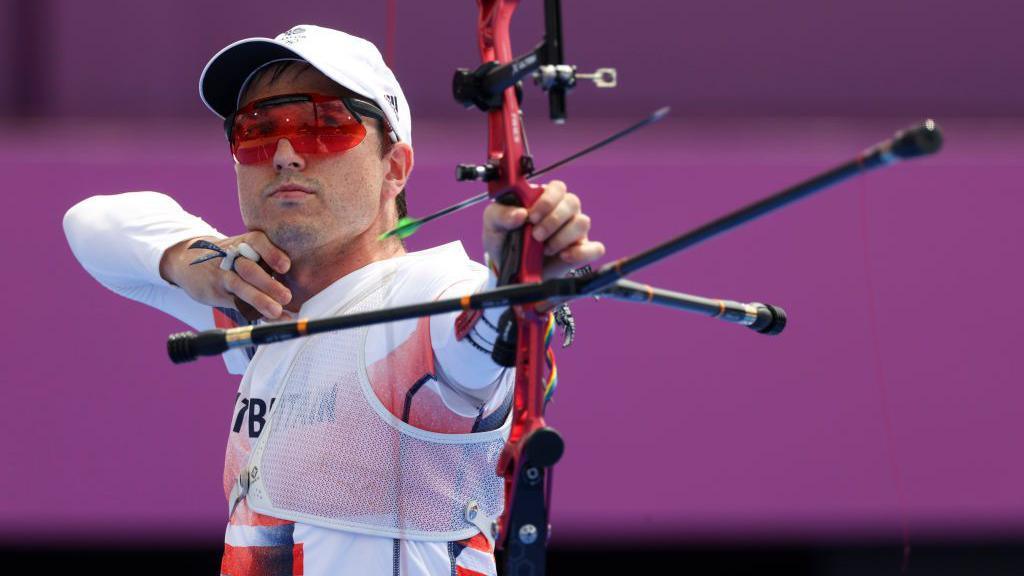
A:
[533,447]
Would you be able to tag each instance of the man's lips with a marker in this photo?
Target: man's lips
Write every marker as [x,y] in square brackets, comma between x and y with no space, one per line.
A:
[290,192]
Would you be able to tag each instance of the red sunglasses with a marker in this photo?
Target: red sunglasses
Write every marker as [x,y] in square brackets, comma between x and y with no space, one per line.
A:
[312,123]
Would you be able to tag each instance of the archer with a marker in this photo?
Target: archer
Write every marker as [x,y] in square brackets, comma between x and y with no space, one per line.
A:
[373,442]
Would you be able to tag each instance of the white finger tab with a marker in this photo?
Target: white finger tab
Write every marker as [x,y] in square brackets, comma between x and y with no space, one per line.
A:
[228,263]
[247,251]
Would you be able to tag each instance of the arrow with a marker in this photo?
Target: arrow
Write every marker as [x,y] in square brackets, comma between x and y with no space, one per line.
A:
[408,226]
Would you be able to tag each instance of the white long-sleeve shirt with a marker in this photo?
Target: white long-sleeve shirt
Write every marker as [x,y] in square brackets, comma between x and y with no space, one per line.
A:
[120,240]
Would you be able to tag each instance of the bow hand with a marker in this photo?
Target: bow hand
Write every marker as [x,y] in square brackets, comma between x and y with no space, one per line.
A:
[558,221]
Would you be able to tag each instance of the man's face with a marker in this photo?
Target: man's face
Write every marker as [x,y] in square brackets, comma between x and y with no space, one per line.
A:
[308,201]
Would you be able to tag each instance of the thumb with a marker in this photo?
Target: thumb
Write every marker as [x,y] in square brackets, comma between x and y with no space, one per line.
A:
[499,218]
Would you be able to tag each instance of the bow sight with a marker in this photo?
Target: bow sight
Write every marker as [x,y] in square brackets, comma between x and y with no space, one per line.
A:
[485,86]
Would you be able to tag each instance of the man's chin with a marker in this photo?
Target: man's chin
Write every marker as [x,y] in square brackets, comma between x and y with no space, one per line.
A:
[293,237]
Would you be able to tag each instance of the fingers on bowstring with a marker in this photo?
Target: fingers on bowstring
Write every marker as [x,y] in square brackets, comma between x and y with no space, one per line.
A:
[258,277]
[264,304]
[274,256]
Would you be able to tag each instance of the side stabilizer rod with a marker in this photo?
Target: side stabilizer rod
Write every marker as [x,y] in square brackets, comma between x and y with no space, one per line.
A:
[761,318]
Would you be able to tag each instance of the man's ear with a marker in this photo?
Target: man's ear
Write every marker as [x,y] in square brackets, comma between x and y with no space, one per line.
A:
[399,166]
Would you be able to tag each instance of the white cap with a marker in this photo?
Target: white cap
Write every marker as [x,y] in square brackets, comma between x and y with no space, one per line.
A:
[350,61]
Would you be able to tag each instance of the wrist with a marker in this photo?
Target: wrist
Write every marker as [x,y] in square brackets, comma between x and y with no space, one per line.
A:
[175,257]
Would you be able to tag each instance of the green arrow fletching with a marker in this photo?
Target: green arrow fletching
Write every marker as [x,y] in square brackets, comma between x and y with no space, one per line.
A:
[406,227]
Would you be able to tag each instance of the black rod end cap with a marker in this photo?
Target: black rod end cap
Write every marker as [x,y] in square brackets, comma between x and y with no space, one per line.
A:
[771,320]
[921,140]
[187,346]
[180,347]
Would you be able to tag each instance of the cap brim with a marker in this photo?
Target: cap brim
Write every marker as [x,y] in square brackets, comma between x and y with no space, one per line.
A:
[231,67]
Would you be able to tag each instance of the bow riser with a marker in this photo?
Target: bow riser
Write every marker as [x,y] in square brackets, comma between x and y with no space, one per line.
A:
[531,447]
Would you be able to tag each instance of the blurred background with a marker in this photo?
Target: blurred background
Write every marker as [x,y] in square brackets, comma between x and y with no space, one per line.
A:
[891,410]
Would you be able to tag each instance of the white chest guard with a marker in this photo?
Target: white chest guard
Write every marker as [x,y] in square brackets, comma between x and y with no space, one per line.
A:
[332,455]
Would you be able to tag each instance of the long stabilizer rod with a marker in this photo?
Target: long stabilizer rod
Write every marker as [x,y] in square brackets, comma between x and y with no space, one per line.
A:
[761,318]
[920,140]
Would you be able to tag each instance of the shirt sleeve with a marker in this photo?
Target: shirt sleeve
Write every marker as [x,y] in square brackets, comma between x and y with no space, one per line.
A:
[465,365]
[120,239]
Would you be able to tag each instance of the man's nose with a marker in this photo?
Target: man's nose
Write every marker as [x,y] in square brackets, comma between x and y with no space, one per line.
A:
[286,158]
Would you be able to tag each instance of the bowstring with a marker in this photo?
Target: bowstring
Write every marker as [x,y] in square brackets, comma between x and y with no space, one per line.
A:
[398,559]
[390,31]
[881,381]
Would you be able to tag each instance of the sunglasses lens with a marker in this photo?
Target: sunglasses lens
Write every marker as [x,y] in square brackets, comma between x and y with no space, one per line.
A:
[311,127]
[338,129]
